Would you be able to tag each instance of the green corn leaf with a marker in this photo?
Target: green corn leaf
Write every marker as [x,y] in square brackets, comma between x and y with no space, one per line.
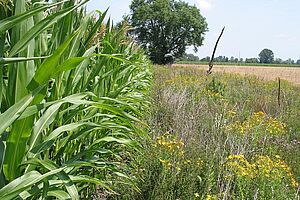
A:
[10,22]
[113,56]
[47,118]
[62,175]
[89,179]
[38,28]
[49,140]
[2,154]
[46,70]
[19,59]
[82,67]
[58,194]
[14,188]
[14,112]
[110,139]
[69,64]
[29,111]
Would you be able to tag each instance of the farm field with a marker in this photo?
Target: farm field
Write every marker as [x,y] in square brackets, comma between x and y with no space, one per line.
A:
[70,101]
[85,114]
[291,74]
[222,136]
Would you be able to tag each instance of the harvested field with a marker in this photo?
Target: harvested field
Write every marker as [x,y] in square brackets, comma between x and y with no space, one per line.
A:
[291,74]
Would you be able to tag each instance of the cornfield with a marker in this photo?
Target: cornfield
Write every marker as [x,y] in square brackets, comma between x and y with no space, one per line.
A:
[73,90]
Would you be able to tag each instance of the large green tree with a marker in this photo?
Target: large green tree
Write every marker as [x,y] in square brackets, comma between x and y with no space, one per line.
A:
[166,27]
[266,56]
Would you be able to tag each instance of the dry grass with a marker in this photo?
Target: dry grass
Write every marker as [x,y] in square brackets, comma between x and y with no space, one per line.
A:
[291,74]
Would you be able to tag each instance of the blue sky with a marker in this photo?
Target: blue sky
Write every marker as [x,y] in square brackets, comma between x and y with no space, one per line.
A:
[251,25]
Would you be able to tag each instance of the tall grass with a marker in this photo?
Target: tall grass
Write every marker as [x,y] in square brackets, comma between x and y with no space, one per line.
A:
[72,91]
[221,136]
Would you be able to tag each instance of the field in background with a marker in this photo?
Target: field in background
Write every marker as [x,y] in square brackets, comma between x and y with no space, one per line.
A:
[238,64]
[291,74]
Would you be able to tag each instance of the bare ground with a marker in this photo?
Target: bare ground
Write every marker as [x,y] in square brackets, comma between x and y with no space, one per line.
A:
[291,74]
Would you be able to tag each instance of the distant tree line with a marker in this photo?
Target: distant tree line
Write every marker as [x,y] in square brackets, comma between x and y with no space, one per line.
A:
[265,56]
[189,57]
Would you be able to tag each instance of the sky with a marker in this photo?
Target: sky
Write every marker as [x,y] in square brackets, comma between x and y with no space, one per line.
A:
[250,25]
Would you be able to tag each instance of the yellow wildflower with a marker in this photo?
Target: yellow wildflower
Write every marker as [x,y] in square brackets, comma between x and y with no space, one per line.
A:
[211,197]
[196,194]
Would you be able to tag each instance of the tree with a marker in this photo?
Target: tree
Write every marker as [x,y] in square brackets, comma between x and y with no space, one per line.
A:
[231,59]
[251,60]
[206,59]
[166,27]
[266,56]
[190,57]
[278,61]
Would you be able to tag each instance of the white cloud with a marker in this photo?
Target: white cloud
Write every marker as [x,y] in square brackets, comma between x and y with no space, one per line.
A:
[285,37]
[205,4]
[281,36]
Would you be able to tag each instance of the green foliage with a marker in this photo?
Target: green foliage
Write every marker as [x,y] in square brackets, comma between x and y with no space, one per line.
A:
[167,27]
[246,63]
[189,57]
[251,60]
[266,56]
[216,86]
[72,92]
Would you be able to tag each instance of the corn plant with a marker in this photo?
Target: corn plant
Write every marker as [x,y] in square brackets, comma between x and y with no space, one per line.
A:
[72,92]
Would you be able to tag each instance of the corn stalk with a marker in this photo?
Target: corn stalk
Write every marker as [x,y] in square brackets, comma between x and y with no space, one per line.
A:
[72,93]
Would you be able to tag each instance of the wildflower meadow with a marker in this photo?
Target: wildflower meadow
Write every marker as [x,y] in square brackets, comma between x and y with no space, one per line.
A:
[221,136]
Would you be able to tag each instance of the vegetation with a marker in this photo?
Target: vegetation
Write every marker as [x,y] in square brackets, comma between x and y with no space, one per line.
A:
[238,64]
[222,136]
[166,27]
[188,57]
[72,93]
[266,56]
[82,118]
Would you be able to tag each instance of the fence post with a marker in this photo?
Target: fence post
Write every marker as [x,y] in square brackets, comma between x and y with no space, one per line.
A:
[278,93]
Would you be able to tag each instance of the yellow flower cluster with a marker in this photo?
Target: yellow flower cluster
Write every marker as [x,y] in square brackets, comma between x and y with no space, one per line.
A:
[172,155]
[231,113]
[165,141]
[261,123]
[208,197]
[199,162]
[196,194]
[211,197]
[213,94]
[173,151]
[263,167]
[275,127]
[166,163]
[185,80]
[275,169]
[240,166]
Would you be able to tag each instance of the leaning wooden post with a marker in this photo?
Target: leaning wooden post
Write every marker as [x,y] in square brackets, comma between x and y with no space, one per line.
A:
[211,62]
[278,96]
